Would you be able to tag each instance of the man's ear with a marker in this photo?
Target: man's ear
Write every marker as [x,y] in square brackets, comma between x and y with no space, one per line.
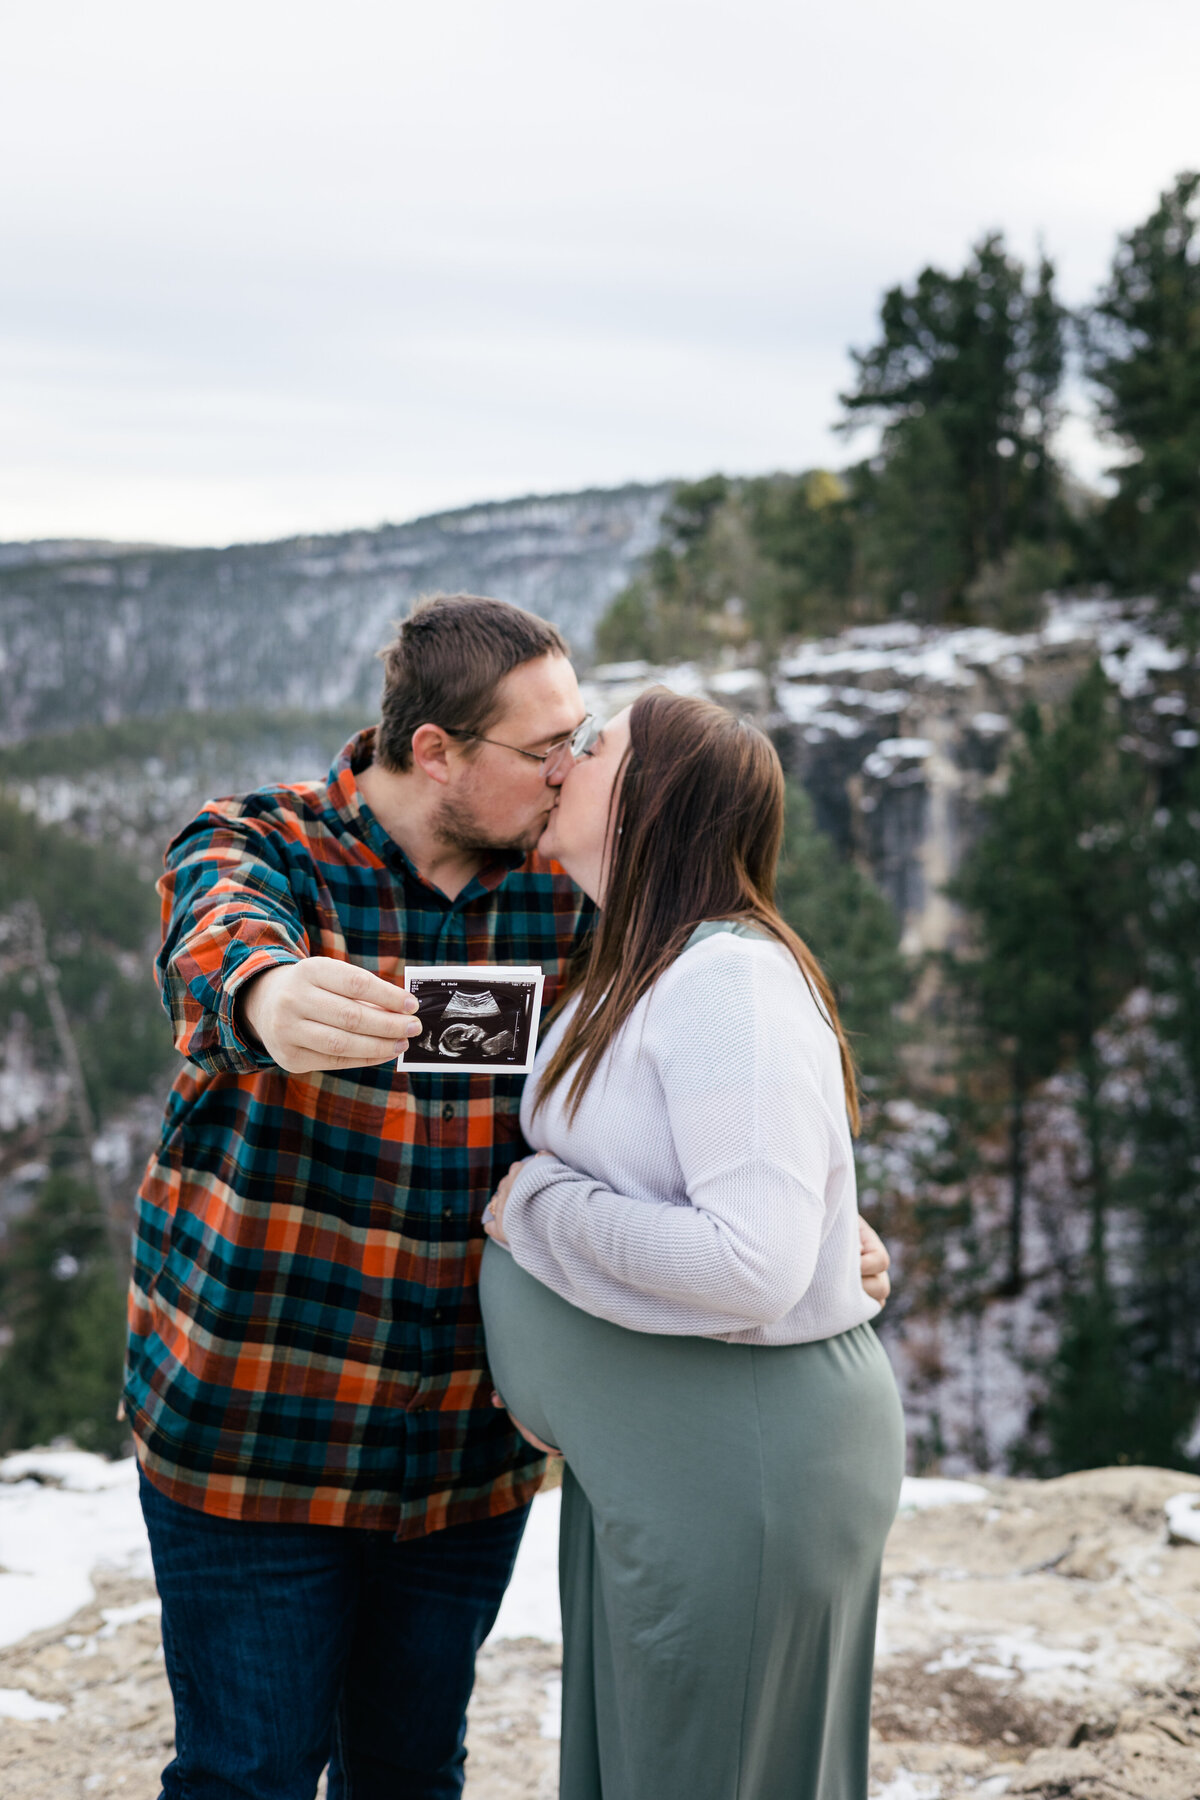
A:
[431,747]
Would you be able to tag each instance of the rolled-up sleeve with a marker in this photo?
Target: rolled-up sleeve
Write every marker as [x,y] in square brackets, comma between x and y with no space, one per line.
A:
[228,913]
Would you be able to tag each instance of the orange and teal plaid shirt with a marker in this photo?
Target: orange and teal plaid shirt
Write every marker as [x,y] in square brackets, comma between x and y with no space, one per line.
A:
[305,1343]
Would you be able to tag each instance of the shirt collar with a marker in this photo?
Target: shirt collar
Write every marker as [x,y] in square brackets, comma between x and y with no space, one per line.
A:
[346,801]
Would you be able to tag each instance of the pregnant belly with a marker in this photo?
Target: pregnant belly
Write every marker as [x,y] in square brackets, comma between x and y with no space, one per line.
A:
[525,1324]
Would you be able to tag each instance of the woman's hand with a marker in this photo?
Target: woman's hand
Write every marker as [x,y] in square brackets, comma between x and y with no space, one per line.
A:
[493,1216]
[873,1262]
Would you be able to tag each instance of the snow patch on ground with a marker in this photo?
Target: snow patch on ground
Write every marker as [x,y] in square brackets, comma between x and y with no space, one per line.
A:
[64,1513]
[530,1607]
[19,1703]
[1183,1518]
[76,1470]
[999,1658]
[904,1786]
[919,1492]
[116,1616]
[550,1723]
[53,1536]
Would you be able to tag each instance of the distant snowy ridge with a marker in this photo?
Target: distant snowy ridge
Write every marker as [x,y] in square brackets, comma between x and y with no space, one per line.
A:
[100,634]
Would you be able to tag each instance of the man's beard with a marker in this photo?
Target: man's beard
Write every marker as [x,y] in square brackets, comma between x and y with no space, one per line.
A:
[458,827]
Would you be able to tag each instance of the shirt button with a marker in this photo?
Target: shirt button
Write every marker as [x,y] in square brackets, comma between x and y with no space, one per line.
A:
[437,1312]
[447,1212]
[448,1110]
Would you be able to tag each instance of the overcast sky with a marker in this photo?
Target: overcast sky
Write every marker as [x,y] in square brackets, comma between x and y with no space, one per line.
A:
[272,267]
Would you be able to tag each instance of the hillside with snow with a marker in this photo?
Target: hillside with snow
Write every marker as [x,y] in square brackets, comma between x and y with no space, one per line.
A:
[94,633]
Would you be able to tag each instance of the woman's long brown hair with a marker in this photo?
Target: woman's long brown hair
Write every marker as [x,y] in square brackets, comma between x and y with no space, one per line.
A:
[694,832]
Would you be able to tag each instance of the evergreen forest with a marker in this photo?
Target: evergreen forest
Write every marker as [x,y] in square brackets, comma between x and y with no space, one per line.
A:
[965,512]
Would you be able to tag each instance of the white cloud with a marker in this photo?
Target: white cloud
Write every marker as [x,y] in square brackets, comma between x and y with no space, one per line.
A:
[277,267]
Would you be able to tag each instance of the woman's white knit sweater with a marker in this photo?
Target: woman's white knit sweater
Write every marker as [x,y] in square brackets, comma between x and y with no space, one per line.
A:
[706,1184]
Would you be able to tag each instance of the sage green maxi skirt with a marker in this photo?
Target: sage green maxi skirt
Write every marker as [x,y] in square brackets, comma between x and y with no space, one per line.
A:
[724,1514]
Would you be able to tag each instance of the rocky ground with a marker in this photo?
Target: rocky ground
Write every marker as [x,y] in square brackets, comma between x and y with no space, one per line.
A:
[1041,1639]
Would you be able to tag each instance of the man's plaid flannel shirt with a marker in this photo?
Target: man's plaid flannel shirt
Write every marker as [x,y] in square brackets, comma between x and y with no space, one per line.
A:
[305,1339]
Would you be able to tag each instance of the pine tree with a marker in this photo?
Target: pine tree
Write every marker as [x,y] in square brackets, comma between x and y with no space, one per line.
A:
[737,563]
[77,923]
[1054,887]
[1143,337]
[803,528]
[964,380]
[99,918]
[850,927]
[1162,1186]
[60,1295]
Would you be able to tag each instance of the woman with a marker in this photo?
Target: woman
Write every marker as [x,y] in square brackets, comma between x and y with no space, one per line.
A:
[681,1311]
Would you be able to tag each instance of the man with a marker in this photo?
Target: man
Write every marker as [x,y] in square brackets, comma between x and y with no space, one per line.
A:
[334,1505]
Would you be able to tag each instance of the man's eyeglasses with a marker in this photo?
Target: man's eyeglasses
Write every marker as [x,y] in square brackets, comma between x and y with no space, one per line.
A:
[581,742]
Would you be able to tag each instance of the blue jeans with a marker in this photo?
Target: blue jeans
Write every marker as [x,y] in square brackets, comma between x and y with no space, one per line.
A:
[292,1646]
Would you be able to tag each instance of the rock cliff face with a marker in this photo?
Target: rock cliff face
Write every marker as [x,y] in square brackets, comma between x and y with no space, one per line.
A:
[897,731]
[91,634]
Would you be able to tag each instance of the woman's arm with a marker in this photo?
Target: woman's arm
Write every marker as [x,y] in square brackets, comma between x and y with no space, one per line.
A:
[874,1257]
[731,1040]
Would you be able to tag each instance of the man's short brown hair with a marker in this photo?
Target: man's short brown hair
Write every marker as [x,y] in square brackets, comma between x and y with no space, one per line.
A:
[445,664]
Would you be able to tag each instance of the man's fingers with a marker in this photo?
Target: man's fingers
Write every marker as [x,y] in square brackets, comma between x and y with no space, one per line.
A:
[362,1021]
[874,1262]
[328,1044]
[336,977]
[325,1013]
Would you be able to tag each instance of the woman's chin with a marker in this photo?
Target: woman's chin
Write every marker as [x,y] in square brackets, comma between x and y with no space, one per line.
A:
[551,845]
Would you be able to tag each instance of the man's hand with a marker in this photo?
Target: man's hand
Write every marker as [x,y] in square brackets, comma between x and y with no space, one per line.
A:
[873,1262]
[529,1436]
[325,1014]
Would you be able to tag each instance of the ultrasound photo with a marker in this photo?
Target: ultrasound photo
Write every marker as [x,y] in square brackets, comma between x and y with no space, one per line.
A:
[480,1019]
